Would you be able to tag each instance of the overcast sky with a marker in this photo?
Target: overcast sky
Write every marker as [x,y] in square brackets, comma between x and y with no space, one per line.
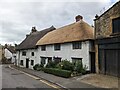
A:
[18,16]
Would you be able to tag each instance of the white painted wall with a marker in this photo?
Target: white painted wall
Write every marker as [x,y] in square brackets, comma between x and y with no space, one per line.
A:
[67,52]
[28,55]
[8,54]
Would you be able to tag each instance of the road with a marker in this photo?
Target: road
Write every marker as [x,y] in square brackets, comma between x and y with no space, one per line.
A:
[14,79]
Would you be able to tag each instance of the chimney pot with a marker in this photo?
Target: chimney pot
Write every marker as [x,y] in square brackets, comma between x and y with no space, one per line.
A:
[33,29]
[78,18]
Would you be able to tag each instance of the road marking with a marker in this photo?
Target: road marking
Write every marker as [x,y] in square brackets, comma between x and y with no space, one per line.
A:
[43,81]
[49,84]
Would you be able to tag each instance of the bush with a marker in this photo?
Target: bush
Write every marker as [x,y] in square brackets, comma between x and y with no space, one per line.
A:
[51,65]
[38,67]
[58,72]
[79,67]
[65,65]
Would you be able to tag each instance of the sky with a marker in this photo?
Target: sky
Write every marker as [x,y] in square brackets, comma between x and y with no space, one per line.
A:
[17,17]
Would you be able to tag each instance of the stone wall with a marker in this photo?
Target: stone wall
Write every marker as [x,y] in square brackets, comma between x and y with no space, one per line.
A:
[103,24]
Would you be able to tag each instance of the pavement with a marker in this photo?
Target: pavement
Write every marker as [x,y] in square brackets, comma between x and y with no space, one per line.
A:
[74,82]
[101,80]
[63,82]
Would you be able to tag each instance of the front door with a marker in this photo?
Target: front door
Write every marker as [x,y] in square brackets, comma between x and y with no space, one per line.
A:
[27,63]
[92,55]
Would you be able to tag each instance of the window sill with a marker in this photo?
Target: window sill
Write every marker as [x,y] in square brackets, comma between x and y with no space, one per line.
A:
[115,34]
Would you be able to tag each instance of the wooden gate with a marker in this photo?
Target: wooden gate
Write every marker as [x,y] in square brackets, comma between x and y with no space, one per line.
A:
[108,61]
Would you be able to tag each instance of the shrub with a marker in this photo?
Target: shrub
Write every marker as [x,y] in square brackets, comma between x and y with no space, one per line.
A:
[65,65]
[58,72]
[79,67]
[51,65]
[35,66]
[38,67]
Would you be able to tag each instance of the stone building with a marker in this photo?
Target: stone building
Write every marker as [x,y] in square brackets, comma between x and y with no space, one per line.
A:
[107,35]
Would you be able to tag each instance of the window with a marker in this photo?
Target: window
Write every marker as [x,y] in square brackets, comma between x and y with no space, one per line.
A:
[57,59]
[43,48]
[32,62]
[49,59]
[32,53]
[116,25]
[21,62]
[57,47]
[77,45]
[43,59]
[23,53]
[74,60]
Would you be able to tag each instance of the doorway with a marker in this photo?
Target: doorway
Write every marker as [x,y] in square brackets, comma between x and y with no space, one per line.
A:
[92,58]
[27,63]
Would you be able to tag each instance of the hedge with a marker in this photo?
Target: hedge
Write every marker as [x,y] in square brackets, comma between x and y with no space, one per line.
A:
[58,72]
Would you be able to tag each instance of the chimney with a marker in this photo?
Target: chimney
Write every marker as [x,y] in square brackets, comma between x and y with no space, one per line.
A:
[78,18]
[33,29]
[6,45]
[96,16]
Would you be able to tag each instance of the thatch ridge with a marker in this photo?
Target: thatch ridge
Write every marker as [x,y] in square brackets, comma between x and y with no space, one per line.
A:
[77,31]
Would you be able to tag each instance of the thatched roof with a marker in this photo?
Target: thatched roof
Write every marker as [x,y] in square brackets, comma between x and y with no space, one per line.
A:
[30,41]
[77,31]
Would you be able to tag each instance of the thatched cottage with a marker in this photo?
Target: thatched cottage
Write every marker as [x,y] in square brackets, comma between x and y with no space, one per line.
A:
[72,42]
[27,49]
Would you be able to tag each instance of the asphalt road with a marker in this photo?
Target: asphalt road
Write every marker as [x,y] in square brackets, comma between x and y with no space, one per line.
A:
[14,79]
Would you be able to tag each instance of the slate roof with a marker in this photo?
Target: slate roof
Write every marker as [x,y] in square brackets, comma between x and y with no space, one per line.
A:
[77,31]
[11,49]
[30,41]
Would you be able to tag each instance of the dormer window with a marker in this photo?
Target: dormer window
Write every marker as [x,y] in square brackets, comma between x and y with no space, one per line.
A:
[116,25]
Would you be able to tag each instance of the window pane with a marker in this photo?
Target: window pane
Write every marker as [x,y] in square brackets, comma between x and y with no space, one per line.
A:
[57,46]
[76,45]
[32,53]
[23,53]
[57,60]
[43,48]
[32,62]
[116,25]
[43,60]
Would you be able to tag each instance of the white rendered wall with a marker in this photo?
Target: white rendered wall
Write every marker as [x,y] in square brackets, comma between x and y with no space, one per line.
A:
[8,54]
[28,55]
[67,52]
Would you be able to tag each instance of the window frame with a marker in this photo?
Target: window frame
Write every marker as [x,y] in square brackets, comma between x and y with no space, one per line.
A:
[23,53]
[57,47]
[115,24]
[75,59]
[43,48]
[32,62]
[77,45]
[32,54]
